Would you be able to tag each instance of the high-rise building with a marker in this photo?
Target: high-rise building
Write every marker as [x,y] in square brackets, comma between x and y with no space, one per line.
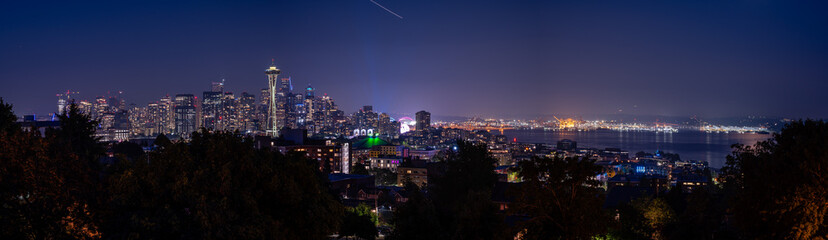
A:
[387,127]
[86,107]
[299,112]
[154,125]
[166,115]
[311,105]
[274,112]
[228,118]
[101,107]
[61,106]
[262,110]
[423,120]
[246,110]
[185,115]
[63,102]
[210,109]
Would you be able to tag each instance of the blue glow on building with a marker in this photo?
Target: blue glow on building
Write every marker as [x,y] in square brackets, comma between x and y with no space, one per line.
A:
[640,169]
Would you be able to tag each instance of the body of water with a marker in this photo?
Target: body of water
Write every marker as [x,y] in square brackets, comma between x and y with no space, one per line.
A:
[689,144]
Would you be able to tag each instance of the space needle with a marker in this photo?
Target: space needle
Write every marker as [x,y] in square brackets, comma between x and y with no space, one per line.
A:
[273,82]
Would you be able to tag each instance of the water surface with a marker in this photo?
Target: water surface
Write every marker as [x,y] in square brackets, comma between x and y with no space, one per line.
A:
[689,144]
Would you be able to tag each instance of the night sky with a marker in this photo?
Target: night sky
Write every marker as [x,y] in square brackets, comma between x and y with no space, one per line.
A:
[461,58]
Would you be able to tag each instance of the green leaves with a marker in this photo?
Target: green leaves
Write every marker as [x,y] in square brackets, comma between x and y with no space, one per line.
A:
[359,221]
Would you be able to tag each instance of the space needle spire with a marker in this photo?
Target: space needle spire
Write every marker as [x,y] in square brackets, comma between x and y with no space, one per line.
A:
[272,109]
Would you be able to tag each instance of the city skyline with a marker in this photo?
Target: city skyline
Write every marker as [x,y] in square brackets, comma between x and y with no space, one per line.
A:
[390,119]
[488,58]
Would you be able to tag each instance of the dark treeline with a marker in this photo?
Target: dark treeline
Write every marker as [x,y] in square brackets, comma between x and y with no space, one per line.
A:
[218,186]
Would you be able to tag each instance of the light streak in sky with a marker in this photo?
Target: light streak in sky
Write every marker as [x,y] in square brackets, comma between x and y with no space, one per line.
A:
[386,9]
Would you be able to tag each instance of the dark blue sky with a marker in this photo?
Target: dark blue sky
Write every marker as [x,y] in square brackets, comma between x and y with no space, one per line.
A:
[707,58]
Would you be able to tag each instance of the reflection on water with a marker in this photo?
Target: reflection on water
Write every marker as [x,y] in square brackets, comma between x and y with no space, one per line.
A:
[692,145]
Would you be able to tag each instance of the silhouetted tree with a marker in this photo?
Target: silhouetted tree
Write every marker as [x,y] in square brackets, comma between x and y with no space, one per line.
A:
[781,185]
[560,199]
[219,186]
[699,215]
[458,204]
[359,222]
[162,141]
[385,177]
[129,151]
[416,219]
[462,195]
[8,121]
[359,168]
[645,218]
[49,185]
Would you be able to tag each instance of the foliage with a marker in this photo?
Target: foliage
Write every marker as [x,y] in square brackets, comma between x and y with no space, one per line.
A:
[360,169]
[129,151]
[162,141]
[460,200]
[780,185]
[416,219]
[645,218]
[219,186]
[8,121]
[699,214]
[49,186]
[384,177]
[359,221]
[560,199]
[216,186]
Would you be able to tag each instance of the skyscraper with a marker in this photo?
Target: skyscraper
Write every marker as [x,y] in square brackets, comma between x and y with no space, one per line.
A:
[423,120]
[246,109]
[61,106]
[228,118]
[273,112]
[210,109]
[311,108]
[185,115]
[166,113]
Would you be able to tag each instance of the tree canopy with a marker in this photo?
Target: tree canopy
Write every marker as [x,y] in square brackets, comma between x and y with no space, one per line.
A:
[49,185]
[780,185]
[560,198]
[218,186]
[460,199]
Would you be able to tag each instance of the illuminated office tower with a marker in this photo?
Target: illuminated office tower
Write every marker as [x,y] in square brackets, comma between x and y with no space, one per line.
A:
[63,101]
[154,124]
[246,110]
[295,117]
[101,107]
[325,117]
[61,106]
[423,120]
[86,107]
[185,115]
[228,116]
[273,111]
[388,127]
[166,115]
[262,110]
[310,110]
[285,102]
[210,109]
